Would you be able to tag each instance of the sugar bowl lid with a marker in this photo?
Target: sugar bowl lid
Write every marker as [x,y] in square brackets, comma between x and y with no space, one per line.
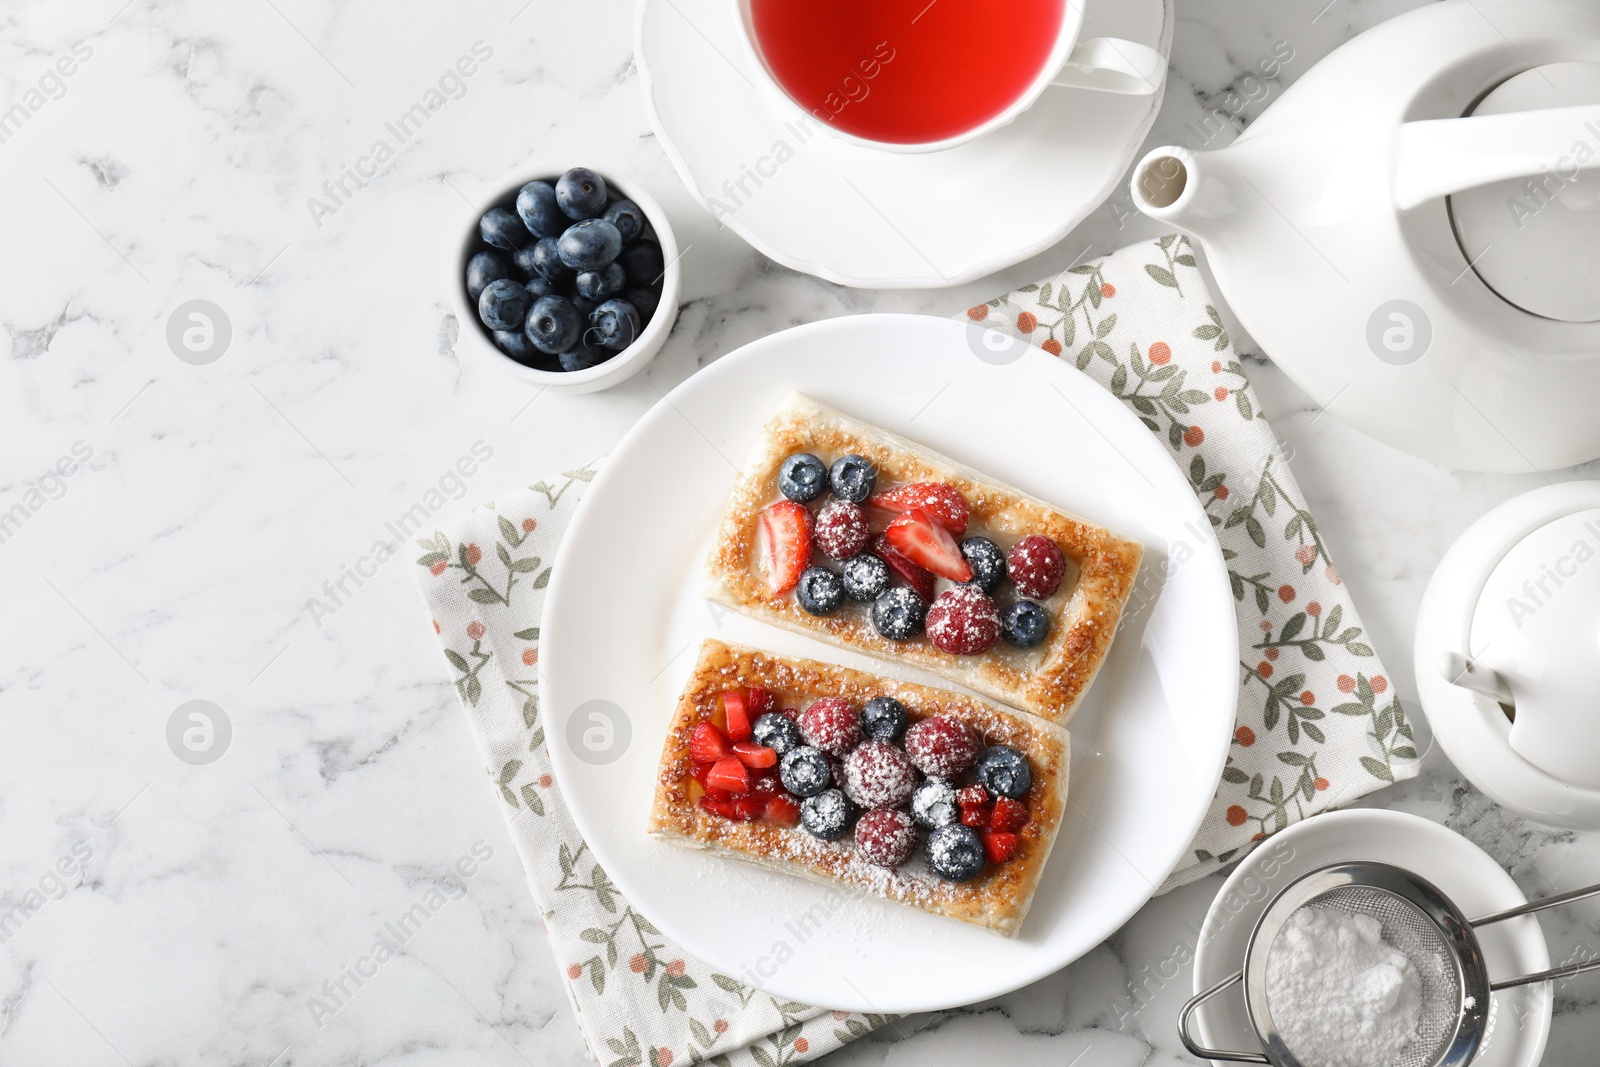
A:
[1508,654]
[1536,241]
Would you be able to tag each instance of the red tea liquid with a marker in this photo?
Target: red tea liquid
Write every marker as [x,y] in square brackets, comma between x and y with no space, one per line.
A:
[906,71]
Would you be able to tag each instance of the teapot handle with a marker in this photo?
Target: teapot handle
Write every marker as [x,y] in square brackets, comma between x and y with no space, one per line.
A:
[1437,157]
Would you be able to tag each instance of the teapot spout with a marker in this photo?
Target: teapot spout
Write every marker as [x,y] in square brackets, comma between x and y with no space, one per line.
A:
[1184,188]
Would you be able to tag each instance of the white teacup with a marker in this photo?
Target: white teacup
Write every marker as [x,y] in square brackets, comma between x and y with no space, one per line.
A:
[1103,64]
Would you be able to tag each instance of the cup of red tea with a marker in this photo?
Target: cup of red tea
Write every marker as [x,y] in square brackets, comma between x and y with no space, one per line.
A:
[921,76]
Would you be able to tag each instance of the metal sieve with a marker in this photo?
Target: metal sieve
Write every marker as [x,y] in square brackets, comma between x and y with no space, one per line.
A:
[1418,920]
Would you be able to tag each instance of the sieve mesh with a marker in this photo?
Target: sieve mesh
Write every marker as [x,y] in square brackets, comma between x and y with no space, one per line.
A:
[1411,931]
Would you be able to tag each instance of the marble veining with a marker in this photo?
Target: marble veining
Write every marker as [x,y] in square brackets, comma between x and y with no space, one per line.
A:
[182,914]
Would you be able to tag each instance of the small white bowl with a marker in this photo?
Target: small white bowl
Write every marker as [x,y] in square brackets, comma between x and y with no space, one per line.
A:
[619,367]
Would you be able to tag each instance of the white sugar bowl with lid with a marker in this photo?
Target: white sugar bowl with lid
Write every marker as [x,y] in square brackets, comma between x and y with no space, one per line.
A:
[1508,654]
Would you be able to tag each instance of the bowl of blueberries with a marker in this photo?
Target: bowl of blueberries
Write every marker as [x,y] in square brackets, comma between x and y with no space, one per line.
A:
[570,279]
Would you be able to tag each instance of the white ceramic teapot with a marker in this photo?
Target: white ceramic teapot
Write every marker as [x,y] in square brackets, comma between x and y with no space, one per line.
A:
[1412,231]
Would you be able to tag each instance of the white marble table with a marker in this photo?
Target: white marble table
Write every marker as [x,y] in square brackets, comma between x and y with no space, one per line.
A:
[208,505]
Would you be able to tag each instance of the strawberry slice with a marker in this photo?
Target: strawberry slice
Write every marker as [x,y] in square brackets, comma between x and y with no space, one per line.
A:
[758,702]
[914,576]
[729,776]
[749,809]
[999,846]
[974,804]
[736,714]
[753,755]
[787,526]
[717,806]
[707,744]
[1009,815]
[944,504]
[927,544]
[781,810]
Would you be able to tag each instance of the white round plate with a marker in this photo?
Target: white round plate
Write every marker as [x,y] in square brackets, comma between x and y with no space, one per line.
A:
[624,621]
[1519,1019]
[861,216]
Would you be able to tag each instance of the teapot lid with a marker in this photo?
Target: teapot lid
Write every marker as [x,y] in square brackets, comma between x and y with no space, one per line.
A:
[1536,241]
[1537,625]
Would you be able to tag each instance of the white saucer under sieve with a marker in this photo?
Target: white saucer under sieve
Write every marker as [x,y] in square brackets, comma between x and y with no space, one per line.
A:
[1418,920]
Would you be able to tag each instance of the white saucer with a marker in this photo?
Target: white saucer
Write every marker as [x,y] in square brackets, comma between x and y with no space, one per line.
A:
[864,217]
[1519,1019]
[624,622]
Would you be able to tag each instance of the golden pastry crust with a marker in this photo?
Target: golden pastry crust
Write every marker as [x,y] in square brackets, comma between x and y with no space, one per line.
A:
[1049,680]
[997,899]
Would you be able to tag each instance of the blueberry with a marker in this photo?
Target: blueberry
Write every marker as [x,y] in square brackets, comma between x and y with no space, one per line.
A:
[522,259]
[644,262]
[804,771]
[828,814]
[777,731]
[483,268]
[627,218]
[554,325]
[1003,771]
[988,563]
[546,259]
[802,477]
[615,324]
[899,614]
[883,719]
[645,300]
[934,804]
[581,193]
[1024,624]
[866,577]
[582,356]
[503,304]
[955,852]
[601,284]
[539,286]
[515,344]
[584,305]
[537,207]
[852,478]
[820,591]
[502,229]
[589,245]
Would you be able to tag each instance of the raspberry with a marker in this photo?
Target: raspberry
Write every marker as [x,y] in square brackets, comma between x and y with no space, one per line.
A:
[878,775]
[841,529]
[963,621]
[941,746]
[832,725]
[1035,565]
[885,837]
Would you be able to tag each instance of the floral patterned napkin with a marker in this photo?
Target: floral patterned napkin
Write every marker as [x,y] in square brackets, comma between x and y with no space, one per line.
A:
[640,999]
[1318,723]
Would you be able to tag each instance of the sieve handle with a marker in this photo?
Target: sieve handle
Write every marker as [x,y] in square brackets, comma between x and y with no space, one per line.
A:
[1566,970]
[1538,905]
[1211,1053]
